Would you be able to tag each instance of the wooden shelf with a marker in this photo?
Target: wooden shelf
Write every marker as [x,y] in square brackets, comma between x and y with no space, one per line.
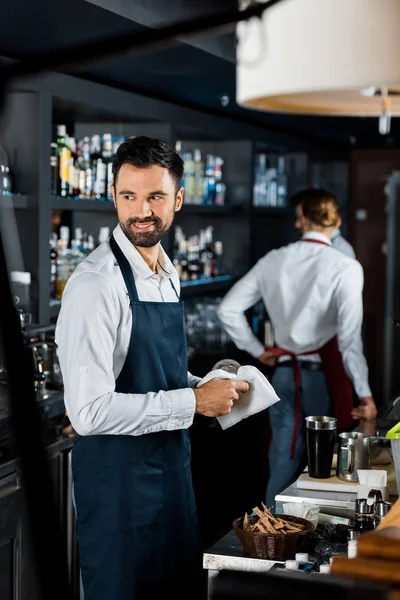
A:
[82,205]
[205,209]
[15,201]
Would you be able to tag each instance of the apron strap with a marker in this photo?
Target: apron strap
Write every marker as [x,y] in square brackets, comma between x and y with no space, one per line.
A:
[297,394]
[173,287]
[125,270]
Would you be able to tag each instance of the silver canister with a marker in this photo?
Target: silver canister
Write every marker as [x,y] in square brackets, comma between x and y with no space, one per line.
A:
[381,510]
[353,454]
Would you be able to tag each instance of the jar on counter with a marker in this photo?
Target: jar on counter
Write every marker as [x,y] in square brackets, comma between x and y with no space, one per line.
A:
[381,510]
[364,517]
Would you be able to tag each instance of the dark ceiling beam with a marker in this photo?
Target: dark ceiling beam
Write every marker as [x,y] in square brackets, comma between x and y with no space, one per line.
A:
[136,106]
[159,13]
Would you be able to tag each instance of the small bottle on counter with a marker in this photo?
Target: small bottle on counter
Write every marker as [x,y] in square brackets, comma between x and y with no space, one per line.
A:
[325,569]
[352,549]
[292,565]
[305,564]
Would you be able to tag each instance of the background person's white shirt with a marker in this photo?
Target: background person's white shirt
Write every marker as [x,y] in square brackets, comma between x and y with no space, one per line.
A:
[312,293]
[93,332]
[340,243]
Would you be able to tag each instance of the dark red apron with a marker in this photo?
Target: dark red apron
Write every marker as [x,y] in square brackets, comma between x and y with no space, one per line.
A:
[339,385]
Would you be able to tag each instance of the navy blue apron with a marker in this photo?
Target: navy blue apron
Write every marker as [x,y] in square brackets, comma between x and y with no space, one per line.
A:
[137,522]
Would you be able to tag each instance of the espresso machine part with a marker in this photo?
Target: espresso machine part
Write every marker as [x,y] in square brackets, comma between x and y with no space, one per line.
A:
[364,516]
[353,454]
[39,341]
[39,378]
[381,510]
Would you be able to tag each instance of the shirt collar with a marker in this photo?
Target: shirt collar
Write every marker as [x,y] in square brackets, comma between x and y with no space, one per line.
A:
[335,234]
[315,235]
[138,264]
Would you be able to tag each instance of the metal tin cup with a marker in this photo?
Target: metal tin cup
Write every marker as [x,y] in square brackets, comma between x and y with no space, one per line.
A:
[320,439]
[353,454]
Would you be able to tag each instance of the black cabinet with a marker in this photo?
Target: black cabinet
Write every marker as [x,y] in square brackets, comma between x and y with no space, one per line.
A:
[10,538]
[17,567]
[17,573]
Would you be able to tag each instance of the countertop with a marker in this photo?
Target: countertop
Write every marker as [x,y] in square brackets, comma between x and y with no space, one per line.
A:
[228,554]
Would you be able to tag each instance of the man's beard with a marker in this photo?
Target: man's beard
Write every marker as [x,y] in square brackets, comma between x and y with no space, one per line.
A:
[147,239]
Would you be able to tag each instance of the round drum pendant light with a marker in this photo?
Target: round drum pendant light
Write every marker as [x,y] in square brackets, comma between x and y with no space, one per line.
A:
[322,57]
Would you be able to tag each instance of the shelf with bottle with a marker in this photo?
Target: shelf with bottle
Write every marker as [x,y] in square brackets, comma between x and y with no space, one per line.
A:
[82,170]
[198,257]
[202,179]
[270,188]
[65,256]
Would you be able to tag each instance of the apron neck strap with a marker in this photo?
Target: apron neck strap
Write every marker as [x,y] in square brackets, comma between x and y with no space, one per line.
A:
[316,242]
[125,270]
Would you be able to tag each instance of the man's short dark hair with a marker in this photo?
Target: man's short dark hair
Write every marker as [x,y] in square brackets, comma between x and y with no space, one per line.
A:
[143,152]
[312,195]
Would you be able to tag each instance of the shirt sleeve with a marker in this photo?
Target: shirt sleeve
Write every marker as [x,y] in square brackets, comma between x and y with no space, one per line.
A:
[350,317]
[243,295]
[86,336]
[193,380]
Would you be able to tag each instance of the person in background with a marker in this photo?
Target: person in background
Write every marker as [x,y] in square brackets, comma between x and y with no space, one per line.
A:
[313,296]
[122,350]
[338,241]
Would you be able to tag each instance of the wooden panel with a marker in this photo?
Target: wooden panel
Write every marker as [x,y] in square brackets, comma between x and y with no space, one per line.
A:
[369,170]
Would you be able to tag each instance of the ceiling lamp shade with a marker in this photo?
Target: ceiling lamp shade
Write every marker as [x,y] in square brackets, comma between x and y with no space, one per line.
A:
[322,57]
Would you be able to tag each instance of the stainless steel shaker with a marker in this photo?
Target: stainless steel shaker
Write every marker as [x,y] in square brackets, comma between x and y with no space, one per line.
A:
[353,454]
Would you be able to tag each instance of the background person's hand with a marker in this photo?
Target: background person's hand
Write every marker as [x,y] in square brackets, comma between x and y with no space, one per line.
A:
[268,358]
[216,397]
[366,410]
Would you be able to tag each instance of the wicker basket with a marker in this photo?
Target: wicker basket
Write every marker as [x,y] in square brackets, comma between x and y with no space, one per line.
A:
[273,546]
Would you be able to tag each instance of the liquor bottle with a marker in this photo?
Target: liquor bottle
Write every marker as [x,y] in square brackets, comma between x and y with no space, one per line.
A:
[184,272]
[260,181]
[199,177]
[85,170]
[54,168]
[218,249]
[189,178]
[53,265]
[220,187]
[73,172]
[64,158]
[281,180]
[107,153]
[195,266]
[272,193]
[209,186]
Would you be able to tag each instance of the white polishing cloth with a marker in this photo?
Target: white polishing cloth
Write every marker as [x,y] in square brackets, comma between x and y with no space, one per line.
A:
[260,396]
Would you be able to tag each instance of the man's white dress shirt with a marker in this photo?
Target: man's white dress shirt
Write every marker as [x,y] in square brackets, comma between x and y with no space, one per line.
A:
[92,334]
[312,293]
[340,243]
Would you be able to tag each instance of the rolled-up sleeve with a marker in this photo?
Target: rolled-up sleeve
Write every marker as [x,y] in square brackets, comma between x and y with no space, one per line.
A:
[244,294]
[86,336]
[350,317]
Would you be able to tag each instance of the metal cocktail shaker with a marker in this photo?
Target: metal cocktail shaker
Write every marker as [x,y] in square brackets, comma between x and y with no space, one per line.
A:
[353,454]
[320,438]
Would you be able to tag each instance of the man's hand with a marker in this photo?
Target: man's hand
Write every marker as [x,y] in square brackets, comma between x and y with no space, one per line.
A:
[366,411]
[268,358]
[216,397]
